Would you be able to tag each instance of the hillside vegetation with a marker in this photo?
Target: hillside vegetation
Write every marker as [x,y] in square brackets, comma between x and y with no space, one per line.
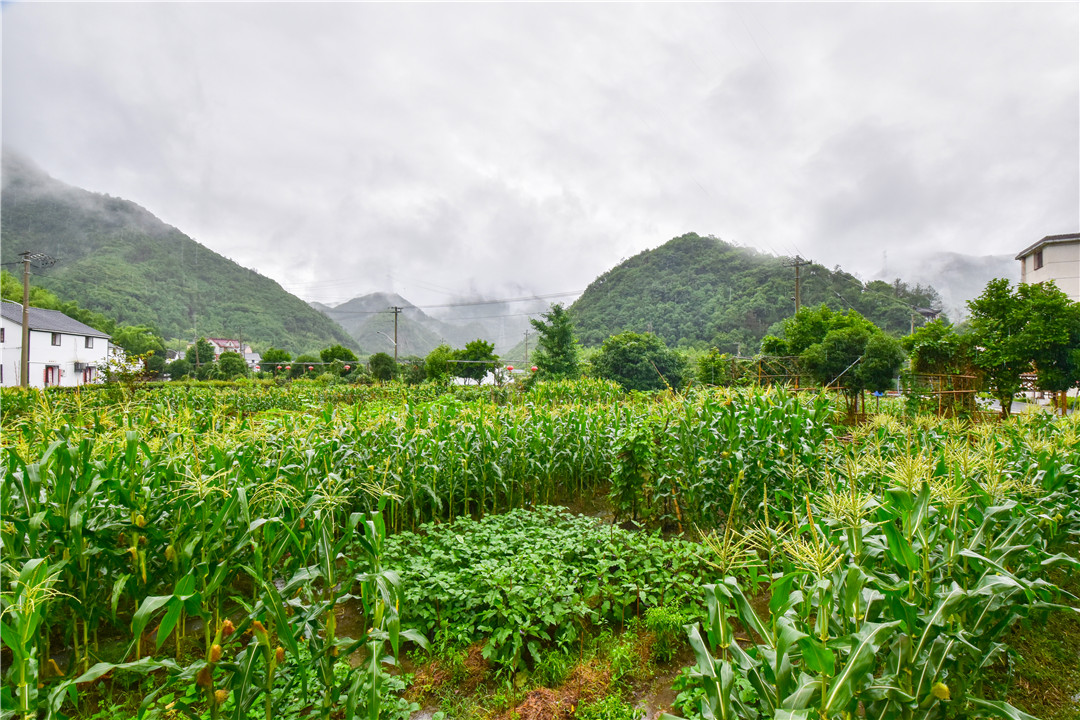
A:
[701,291]
[116,258]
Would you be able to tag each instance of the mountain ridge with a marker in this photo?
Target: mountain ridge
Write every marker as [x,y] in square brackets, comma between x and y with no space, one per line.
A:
[119,259]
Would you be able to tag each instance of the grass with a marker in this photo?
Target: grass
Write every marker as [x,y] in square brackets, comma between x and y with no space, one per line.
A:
[1044,674]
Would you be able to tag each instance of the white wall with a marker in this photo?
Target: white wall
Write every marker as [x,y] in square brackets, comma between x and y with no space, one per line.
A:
[44,354]
[1061,263]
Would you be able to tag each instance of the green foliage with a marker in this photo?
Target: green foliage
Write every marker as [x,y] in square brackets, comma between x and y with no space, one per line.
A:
[840,350]
[936,348]
[701,290]
[639,362]
[337,352]
[556,357]
[530,581]
[611,707]
[119,260]
[200,353]
[893,564]
[997,327]
[666,623]
[382,366]
[717,368]
[479,359]
[231,365]
[634,468]
[437,365]
[275,356]
[1018,330]
[412,369]
[1053,327]
[179,368]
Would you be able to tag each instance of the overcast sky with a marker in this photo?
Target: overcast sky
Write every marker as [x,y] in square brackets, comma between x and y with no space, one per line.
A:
[507,149]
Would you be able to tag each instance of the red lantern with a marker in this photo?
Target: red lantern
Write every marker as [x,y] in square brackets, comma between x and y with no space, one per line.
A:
[278,367]
[534,368]
[346,367]
[257,368]
[310,367]
[288,367]
[509,368]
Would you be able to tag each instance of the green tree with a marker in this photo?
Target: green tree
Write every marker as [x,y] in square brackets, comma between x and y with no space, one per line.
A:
[639,361]
[412,370]
[382,366]
[937,349]
[556,356]
[437,364]
[178,368]
[997,330]
[843,350]
[479,359]
[1053,326]
[1033,327]
[200,354]
[275,356]
[231,365]
[337,352]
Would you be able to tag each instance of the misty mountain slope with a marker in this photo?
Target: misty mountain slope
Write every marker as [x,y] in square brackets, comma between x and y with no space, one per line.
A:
[957,277]
[119,259]
[701,291]
[369,321]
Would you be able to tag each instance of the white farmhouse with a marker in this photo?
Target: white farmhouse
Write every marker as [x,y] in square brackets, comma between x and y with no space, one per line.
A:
[1055,257]
[63,352]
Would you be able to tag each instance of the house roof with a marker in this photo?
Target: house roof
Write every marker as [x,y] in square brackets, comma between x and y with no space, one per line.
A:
[1049,240]
[48,320]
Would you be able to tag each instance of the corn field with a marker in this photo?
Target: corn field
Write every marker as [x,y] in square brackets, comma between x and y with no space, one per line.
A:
[211,537]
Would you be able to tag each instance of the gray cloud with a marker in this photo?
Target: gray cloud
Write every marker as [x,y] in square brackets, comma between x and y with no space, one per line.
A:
[347,148]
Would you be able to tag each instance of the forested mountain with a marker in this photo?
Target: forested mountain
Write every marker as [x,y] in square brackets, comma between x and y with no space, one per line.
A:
[702,291]
[117,258]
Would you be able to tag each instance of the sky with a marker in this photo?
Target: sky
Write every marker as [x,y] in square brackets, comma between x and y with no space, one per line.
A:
[452,150]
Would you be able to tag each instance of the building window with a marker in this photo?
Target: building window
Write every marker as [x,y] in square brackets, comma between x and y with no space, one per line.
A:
[2,334]
[89,342]
[56,338]
[1037,260]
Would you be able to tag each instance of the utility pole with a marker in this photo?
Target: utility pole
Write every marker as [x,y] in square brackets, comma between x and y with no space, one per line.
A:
[798,263]
[397,311]
[526,347]
[40,260]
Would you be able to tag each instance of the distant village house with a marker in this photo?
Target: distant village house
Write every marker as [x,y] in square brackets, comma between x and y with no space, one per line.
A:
[63,352]
[222,345]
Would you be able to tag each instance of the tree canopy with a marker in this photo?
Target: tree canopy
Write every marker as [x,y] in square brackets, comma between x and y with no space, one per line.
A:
[382,366]
[231,365]
[437,364]
[337,352]
[1018,330]
[557,354]
[839,349]
[200,353]
[639,361]
[476,360]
